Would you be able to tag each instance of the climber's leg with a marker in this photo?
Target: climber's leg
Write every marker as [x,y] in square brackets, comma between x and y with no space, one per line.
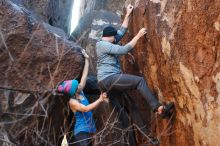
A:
[123,82]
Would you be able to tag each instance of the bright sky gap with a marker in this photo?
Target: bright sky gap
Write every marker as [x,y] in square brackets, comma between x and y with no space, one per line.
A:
[75,15]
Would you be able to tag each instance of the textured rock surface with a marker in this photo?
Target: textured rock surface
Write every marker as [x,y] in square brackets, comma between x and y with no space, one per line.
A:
[34,58]
[180,59]
[55,12]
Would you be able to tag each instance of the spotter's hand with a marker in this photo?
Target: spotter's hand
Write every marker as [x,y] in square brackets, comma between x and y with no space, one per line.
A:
[103,97]
[85,54]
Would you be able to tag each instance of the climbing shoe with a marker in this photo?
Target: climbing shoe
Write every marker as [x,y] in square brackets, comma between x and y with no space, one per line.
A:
[167,110]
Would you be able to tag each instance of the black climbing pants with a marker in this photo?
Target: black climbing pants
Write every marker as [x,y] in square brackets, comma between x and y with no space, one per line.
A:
[122,82]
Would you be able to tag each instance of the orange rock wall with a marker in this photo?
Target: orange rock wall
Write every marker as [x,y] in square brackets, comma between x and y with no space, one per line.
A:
[180,60]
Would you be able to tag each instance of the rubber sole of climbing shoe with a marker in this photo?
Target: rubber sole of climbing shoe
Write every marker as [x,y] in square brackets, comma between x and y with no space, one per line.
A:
[167,111]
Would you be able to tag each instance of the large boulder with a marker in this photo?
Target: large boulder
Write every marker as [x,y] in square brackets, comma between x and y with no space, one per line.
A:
[34,58]
[57,13]
[180,58]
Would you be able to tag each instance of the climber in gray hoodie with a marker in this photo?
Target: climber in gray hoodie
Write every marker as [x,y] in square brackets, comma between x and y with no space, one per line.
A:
[109,74]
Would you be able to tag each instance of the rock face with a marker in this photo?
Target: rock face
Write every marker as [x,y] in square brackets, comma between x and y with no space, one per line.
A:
[34,58]
[55,12]
[180,59]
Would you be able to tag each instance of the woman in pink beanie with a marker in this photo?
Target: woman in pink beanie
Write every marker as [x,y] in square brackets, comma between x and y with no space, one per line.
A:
[84,125]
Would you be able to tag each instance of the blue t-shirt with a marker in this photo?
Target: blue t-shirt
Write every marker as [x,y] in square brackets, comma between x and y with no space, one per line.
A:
[84,120]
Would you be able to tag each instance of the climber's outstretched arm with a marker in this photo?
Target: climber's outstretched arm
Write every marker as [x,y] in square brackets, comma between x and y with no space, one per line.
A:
[127,16]
[110,48]
[141,33]
[85,72]
[124,27]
